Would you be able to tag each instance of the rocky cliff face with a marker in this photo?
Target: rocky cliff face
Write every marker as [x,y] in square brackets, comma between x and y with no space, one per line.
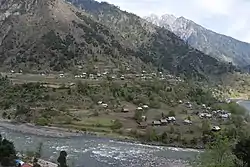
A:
[221,47]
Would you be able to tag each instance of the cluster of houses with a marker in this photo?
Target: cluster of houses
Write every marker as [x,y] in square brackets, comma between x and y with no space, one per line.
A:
[140,108]
[169,120]
[144,75]
[164,121]
[222,114]
[148,76]
[19,71]
[84,75]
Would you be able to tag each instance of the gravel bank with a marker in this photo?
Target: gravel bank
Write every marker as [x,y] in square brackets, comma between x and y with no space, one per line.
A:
[38,130]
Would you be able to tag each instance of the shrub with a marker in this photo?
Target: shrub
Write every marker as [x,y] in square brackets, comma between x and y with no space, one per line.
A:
[116,125]
[7,152]
[4,115]
[151,135]
[42,121]
[138,116]
[21,110]
[171,113]
[95,113]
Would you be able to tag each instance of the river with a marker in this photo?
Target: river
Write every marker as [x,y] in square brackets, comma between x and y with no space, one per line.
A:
[90,151]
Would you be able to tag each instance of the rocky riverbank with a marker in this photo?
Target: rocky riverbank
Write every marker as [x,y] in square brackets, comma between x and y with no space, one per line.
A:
[38,130]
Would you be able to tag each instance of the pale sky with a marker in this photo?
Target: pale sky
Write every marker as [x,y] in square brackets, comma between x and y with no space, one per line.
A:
[229,17]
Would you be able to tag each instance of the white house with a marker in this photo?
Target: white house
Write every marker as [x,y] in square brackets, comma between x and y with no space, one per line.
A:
[203,105]
[205,115]
[156,123]
[186,121]
[224,116]
[139,108]
[145,106]
[171,119]
[105,105]
[91,75]
[216,128]
[143,118]
[164,121]
[99,102]
[125,110]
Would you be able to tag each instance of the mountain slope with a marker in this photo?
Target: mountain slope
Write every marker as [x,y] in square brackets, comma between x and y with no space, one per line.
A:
[153,44]
[219,46]
[55,35]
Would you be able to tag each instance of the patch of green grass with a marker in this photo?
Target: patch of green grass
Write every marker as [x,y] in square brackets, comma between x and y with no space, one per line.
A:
[95,122]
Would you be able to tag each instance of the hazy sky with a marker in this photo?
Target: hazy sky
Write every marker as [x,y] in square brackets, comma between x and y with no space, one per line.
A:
[229,17]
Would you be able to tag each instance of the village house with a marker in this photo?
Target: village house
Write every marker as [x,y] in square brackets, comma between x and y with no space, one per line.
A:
[145,106]
[171,119]
[105,105]
[61,75]
[149,77]
[91,76]
[228,101]
[99,75]
[139,108]
[144,118]
[156,123]
[164,121]
[225,116]
[216,128]
[105,73]
[72,84]
[187,122]
[125,110]
[205,115]
[203,106]
[189,105]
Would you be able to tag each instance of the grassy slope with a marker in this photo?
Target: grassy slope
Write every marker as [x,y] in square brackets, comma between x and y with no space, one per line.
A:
[76,107]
